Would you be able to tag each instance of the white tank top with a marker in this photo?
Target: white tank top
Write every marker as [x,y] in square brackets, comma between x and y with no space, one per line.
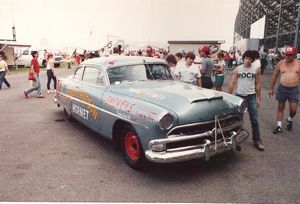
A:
[246,80]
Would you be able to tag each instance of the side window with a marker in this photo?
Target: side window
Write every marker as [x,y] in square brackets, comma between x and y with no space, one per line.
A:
[90,75]
[78,73]
[100,78]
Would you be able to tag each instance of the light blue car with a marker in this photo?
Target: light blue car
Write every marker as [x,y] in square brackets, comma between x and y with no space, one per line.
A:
[136,103]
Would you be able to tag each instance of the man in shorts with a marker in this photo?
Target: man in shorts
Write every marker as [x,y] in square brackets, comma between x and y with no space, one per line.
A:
[289,71]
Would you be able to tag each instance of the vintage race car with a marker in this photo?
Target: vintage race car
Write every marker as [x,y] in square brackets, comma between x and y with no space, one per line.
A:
[135,102]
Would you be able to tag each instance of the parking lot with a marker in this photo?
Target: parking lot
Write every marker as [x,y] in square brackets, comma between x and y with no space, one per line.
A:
[44,157]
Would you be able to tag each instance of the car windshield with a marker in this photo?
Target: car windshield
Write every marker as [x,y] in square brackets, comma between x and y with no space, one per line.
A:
[141,72]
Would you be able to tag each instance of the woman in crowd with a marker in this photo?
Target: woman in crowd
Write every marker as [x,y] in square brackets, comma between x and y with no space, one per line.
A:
[172,62]
[50,72]
[219,72]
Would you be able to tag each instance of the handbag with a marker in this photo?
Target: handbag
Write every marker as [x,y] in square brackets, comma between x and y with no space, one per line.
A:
[31,76]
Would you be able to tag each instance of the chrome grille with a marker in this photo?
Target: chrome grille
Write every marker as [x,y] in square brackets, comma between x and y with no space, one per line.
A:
[202,127]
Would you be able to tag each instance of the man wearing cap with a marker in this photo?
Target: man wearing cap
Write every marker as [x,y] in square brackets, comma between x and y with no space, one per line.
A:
[289,71]
[206,67]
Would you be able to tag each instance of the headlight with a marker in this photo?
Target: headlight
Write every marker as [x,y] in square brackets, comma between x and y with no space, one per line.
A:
[242,106]
[165,121]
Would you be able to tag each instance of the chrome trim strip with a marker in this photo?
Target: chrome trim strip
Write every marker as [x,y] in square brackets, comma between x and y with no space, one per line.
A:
[200,123]
[105,111]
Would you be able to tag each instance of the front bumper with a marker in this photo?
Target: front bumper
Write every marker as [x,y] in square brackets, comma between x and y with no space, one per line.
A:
[205,150]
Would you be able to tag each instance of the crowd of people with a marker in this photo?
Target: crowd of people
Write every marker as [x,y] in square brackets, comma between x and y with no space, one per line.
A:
[204,71]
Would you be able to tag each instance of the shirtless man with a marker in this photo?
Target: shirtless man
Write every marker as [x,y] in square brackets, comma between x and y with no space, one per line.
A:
[289,70]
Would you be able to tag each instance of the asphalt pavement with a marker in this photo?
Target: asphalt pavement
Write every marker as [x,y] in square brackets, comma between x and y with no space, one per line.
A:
[44,157]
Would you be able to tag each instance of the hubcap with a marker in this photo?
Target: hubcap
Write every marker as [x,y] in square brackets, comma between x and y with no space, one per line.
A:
[132,146]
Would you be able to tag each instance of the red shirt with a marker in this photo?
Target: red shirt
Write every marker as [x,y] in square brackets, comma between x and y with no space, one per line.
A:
[78,59]
[226,57]
[36,66]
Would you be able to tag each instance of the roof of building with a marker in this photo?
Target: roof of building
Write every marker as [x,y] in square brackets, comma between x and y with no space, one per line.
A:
[196,42]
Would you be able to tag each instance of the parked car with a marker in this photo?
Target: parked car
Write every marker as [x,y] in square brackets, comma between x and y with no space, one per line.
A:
[57,60]
[136,103]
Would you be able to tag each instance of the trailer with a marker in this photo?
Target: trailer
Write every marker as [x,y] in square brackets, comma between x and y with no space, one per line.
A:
[9,48]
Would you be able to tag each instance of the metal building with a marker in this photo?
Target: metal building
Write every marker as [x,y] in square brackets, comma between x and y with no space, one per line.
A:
[282,19]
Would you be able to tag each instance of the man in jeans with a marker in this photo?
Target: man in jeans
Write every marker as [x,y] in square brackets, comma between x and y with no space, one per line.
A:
[248,82]
[207,67]
[36,82]
[3,70]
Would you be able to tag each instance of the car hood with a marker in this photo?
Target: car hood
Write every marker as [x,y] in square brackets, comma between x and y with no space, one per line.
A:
[190,103]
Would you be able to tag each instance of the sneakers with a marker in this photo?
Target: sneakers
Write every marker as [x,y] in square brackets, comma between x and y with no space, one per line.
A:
[48,91]
[26,94]
[40,96]
[258,145]
[289,125]
[277,130]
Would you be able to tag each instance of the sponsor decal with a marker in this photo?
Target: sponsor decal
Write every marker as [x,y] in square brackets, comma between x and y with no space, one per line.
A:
[119,104]
[125,107]
[83,97]
[147,93]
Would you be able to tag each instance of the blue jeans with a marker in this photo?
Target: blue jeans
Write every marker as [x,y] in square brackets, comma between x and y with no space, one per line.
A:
[253,113]
[3,79]
[36,86]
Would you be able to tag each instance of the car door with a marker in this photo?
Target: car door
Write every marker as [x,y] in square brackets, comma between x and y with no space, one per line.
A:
[74,93]
[93,87]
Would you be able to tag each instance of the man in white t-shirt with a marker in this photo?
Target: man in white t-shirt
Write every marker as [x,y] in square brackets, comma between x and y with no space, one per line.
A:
[189,72]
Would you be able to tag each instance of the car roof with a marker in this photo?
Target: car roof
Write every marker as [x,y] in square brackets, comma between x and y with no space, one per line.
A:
[110,61]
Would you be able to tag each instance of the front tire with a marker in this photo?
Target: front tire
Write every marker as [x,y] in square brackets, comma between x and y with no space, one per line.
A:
[132,149]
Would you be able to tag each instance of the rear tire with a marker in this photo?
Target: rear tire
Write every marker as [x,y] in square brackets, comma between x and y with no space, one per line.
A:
[68,115]
[132,149]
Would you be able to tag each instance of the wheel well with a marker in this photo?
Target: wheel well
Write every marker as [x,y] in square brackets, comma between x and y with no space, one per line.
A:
[117,128]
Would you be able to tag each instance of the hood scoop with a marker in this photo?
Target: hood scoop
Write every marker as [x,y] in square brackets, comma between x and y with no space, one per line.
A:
[195,100]
[205,95]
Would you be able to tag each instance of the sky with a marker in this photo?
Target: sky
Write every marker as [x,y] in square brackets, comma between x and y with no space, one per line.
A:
[89,24]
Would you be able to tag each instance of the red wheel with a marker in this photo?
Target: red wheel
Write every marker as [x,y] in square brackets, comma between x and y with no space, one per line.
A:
[131,147]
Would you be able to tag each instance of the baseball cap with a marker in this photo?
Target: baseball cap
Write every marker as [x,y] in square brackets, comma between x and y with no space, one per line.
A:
[205,48]
[290,50]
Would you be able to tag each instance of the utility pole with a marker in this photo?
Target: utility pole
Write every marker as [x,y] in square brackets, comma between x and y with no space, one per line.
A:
[278,27]
[296,41]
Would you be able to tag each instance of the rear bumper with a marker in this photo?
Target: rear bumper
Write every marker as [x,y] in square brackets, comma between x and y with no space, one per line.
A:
[205,150]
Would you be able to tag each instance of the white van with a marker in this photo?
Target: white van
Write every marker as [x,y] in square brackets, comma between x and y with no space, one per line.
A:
[24,58]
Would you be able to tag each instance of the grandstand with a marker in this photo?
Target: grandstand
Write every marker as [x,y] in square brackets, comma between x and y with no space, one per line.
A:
[281,26]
